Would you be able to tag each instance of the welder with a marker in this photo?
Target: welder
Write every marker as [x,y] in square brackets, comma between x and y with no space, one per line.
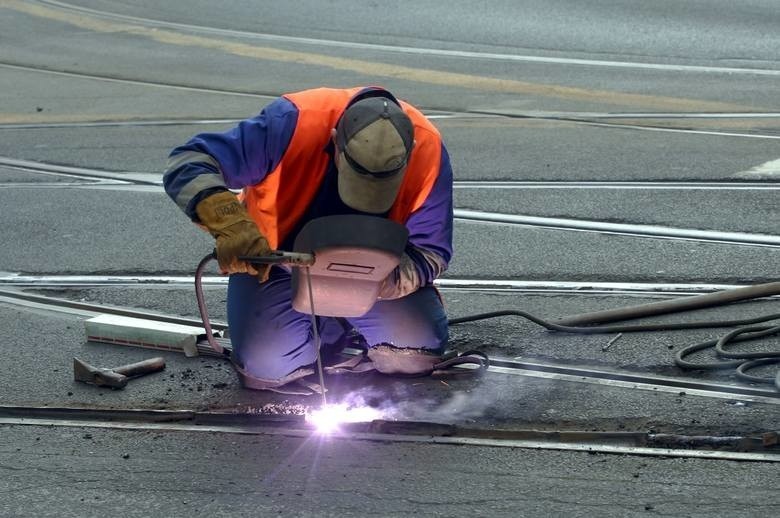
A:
[307,155]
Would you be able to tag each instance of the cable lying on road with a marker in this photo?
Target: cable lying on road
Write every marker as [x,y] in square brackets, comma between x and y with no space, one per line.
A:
[742,361]
[576,373]
[757,359]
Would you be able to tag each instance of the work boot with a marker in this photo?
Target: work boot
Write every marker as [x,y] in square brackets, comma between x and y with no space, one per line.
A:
[411,362]
[400,361]
[405,361]
[292,384]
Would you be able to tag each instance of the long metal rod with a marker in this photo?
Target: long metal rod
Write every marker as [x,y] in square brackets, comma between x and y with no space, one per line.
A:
[316,332]
[673,306]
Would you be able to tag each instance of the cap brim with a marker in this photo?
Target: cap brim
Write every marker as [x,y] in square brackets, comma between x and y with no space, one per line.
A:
[367,193]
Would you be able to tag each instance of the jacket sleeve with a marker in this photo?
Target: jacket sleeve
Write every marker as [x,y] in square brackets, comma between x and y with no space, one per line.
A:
[239,157]
[429,249]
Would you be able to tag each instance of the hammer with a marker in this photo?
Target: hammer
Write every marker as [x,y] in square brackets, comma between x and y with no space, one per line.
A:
[117,377]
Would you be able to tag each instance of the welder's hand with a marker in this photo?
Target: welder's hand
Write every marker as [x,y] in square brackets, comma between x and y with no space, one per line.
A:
[236,234]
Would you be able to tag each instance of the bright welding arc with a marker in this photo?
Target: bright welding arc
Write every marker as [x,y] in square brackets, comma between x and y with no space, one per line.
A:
[328,418]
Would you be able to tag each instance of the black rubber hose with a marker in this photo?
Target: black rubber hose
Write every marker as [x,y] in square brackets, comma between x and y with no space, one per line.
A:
[757,332]
[687,351]
[742,371]
[614,328]
[737,335]
[204,315]
[745,360]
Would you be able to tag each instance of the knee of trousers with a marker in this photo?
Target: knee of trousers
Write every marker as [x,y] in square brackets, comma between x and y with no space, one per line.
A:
[272,358]
[397,322]
[422,334]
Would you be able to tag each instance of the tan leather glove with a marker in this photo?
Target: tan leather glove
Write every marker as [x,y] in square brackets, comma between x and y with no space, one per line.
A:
[236,233]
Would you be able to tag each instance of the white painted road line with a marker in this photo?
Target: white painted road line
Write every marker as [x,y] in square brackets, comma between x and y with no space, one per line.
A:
[768,170]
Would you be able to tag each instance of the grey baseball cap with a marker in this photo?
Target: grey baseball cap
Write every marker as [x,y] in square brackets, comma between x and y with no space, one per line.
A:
[374,139]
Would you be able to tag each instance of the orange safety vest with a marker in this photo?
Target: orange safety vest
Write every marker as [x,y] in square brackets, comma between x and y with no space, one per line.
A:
[280,200]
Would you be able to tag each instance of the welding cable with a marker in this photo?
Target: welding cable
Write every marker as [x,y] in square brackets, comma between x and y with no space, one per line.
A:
[738,335]
[551,326]
[755,359]
[742,371]
[743,361]
[757,332]
[204,315]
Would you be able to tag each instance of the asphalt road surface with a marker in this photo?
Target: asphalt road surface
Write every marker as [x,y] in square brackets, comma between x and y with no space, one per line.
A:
[644,118]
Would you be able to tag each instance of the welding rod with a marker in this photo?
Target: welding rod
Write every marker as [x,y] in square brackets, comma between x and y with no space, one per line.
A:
[316,332]
[301,260]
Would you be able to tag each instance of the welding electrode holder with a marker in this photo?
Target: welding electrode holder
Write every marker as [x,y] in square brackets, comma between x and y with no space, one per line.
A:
[280,257]
[277,257]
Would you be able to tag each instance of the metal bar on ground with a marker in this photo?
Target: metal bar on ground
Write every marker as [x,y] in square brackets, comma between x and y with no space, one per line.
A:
[673,306]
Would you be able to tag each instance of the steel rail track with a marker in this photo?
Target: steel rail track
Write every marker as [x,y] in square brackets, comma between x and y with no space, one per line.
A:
[82,173]
[129,177]
[624,229]
[576,118]
[570,116]
[114,124]
[562,372]
[454,284]
[587,119]
[320,43]
[573,117]
[631,380]
[661,129]
[139,82]
[653,115]
[760,448]
[618,185]
[147,181]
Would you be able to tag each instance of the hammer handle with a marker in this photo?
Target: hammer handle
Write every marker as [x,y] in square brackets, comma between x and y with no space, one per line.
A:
[141,368]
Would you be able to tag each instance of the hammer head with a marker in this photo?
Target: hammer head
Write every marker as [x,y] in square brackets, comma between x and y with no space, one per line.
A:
[86,373]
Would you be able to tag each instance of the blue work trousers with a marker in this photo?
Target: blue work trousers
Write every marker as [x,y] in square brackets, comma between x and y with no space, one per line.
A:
[272,340]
